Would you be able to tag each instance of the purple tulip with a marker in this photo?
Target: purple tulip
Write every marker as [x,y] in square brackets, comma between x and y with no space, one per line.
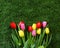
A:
[44,24]
[34,33]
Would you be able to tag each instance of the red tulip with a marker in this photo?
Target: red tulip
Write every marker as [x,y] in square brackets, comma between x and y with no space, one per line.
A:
[30,28]
[13,25]
[38,24]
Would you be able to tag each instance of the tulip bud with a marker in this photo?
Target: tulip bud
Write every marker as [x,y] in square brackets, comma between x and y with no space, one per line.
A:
[30,28]
[22,25]
[44,24]
[47,30]
[38,24]
[34,33]
[34,26]
[39,31]
[13,25]
[21,33]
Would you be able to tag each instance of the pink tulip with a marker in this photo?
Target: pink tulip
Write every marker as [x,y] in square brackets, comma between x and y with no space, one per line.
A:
[22,26]
[20,23]
[34,33]
[44,24]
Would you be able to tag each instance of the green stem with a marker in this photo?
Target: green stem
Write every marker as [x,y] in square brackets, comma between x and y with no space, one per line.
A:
[19,39]
[30,35]
[42,36]
[18,27]
[17,46]
[17,34]
[46,41]
[27,35]
[23,40]
[49,40]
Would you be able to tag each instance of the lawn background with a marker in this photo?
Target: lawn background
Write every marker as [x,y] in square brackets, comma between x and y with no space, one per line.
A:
[30,11]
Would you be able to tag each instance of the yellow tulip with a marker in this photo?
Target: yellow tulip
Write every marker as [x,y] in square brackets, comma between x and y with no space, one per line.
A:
[39,31]
[34,26]
[21,33]
[47,30]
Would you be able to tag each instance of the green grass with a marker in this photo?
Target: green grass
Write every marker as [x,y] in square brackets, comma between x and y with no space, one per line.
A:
[30,11]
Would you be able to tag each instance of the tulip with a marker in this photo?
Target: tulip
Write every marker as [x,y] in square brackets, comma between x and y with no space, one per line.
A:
[41,47]
[34,26]
[38,24]
[13,25]
[30,28]
[44,24]
[22,25]
[21,33]
[39,31]
[47,30]
[34,33]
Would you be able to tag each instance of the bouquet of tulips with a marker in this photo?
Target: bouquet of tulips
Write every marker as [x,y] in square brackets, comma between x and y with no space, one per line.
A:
[36,35]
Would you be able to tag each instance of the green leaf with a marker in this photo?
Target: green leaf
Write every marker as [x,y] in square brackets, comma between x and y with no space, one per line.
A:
[26,45]
[41,38]
[41,46]
[50,39]
[43,42]
[32,46]
[15,40]
[46,43]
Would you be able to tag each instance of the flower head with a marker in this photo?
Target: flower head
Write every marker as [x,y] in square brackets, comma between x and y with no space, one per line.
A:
[44,24]
[47,30]
[38,24]
[21,22]
[22,25]
[13,25]
[34,33]
[39,31]
[21,33]
[30,28]
[34,26]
